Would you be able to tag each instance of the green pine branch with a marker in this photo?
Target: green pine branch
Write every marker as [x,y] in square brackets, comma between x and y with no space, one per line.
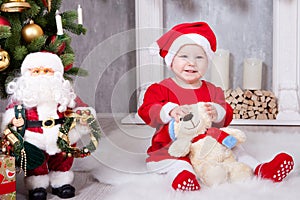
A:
[11,39]
[5,32]
[37,44]
[20,53]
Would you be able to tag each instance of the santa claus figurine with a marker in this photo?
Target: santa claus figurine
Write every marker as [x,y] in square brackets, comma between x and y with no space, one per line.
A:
[45,96]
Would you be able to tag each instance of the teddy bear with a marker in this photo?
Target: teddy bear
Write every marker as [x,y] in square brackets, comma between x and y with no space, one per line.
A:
[196,123]
[190,126]
[215,163]
[209,149]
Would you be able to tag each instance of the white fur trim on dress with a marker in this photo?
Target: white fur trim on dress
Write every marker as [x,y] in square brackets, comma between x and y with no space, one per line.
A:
[58,179]
[170,166]
[191,38]
[165,112]
[32,182]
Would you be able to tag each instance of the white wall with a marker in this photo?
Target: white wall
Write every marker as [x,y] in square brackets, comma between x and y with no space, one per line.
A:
[243,27]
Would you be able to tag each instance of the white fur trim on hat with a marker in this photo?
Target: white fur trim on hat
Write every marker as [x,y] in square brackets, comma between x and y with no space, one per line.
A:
[191,38]
[42,59]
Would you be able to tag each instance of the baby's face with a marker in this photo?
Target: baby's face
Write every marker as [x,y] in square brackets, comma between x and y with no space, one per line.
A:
[190,63]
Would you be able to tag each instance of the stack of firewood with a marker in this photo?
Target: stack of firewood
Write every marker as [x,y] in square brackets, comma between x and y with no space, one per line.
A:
[252,104]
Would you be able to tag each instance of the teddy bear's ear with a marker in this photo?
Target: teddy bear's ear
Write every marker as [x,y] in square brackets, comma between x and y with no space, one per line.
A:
[172,129]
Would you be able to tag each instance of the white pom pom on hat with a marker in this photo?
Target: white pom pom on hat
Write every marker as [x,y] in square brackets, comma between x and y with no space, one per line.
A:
[186,33]
[42,59]
[154,49]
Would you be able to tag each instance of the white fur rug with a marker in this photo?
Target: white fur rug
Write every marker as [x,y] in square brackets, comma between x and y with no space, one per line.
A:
[120,162]
[149,187]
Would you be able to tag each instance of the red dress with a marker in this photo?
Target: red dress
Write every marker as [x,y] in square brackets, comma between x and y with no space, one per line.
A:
[159,94]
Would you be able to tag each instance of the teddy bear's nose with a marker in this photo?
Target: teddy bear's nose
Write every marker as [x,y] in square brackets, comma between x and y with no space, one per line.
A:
[188,117]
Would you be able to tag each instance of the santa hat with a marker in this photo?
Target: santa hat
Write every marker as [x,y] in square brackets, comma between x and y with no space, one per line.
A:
[187,33]
[42,59]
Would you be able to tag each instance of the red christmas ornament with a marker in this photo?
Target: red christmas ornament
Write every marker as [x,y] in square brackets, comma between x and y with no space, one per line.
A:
[4,21]
[47,3]
[60,49]
[68,67]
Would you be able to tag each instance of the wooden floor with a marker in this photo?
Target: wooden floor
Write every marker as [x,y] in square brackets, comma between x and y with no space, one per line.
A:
[114,133]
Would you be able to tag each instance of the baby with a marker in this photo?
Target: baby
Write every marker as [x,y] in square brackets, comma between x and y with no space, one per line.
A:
[187,49]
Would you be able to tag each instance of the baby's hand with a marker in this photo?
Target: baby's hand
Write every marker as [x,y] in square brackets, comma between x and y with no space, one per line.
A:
[17,122]
[179,112]
[211,111]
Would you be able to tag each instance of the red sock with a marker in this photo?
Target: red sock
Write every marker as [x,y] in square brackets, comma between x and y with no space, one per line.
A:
[277,169]
[186,181]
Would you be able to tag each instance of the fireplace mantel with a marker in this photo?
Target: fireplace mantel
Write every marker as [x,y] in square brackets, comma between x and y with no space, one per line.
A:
[286,57]
[286,65]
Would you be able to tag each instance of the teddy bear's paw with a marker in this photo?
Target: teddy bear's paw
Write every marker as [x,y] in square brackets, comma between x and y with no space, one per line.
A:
[186,181]
[213,175]
[179,148]
[240,172]
[236,133]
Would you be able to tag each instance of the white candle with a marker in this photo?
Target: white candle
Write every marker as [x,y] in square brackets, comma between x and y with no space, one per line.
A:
[252,74]
[79,11]
[220,69]
[58,23]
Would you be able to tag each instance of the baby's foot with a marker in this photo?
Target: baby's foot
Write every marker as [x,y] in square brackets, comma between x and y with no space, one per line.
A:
[277,169]
[186,181]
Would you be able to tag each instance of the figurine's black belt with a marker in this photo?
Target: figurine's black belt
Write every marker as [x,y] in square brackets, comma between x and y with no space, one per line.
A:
[48,123]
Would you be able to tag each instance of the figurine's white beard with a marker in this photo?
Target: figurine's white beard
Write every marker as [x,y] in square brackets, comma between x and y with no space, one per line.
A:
[35,90]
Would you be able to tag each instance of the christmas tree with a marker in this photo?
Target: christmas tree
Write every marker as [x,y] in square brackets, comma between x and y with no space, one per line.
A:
[28,26]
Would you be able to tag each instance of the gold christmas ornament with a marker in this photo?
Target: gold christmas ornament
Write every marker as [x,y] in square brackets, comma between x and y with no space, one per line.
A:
[31,31]
[4,59]
[15,6]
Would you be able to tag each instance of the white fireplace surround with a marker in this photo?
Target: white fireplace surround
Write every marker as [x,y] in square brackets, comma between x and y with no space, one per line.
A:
[286,57]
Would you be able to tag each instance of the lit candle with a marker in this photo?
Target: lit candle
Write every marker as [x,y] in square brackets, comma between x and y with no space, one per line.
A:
[58,23]
[79,11]
[252,74]
[220,69]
